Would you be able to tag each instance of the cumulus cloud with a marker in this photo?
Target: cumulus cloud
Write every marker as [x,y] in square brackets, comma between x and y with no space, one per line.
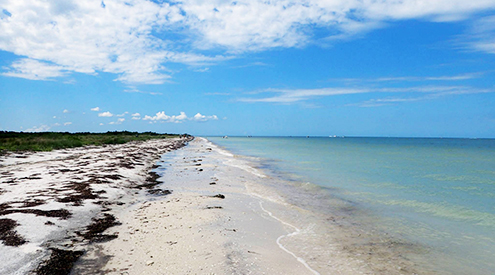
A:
[86,37]
[66,111]
[67,123]
[132,39]
[162,117]
[95,109]
[105,114]
[200,117]
[136,116]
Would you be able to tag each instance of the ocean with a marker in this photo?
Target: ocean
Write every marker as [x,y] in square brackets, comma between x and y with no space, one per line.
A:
[438,194]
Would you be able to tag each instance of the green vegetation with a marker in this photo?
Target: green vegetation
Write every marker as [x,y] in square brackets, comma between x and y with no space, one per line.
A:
[47,141]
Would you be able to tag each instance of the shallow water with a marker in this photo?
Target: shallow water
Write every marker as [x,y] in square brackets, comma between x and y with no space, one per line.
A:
[438,193]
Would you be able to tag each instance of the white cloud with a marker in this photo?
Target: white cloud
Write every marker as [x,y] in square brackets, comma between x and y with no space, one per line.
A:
[202,70]
[86,37]
[134,90]
[482,35]
[95,109]
[431,78]
[288,96]
[136,116]
[123,114]
[41,128]
[66,111]
[105,114]
[132,38]
[162,117]
[67,123]
[101,124]
[459,77]
[200,117]
[119,121]
[296,95]
[257,25]
[33,69]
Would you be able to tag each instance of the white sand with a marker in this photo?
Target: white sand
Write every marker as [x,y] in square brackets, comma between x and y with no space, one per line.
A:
[192,232]
[49,177]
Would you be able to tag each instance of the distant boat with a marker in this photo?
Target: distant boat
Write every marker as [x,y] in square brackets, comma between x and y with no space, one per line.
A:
[225,137]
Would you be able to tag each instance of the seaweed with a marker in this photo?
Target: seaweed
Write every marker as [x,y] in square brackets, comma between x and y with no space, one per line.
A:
[94,231]
[59,263]
[33,203]
[8,235]
[160,192]
[150,182]
[84,192]
[60,213]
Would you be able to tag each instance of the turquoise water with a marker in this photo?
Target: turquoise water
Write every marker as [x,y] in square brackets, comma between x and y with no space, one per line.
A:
[438,192]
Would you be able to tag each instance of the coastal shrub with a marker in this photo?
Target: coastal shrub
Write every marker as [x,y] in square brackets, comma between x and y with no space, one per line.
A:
[47,141]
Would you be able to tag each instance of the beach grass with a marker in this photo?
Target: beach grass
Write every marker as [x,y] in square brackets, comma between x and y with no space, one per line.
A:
[47,141]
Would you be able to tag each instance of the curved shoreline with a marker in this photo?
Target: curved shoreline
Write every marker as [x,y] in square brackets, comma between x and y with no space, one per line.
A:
[210,212]
[217,220]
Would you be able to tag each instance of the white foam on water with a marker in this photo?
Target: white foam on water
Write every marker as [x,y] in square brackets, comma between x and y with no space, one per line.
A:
[296,232]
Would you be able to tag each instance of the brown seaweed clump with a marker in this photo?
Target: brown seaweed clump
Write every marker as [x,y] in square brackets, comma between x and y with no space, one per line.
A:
[8,235]
[60,213]
[59,263]
[94,231]
[151,181]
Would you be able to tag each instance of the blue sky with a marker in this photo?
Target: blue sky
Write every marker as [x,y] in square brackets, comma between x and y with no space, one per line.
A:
[288,67]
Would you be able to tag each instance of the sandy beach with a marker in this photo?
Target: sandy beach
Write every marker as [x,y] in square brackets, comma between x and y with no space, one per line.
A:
[52,204]
[210,213]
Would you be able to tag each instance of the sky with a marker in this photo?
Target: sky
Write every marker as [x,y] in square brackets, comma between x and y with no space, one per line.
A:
[398,68]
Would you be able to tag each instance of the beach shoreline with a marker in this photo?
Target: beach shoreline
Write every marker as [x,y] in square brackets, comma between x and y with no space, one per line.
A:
[224,216]
[209,212]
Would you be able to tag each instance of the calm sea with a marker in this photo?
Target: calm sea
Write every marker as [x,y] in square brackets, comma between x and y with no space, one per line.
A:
[436,192]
